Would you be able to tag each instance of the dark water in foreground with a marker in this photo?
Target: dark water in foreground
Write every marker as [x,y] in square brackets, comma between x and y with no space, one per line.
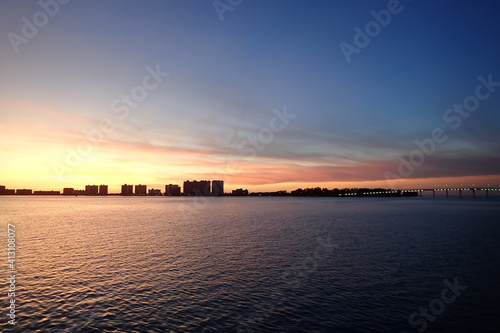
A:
[118,264]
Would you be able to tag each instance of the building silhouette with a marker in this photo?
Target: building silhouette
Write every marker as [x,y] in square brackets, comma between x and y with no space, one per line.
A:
[103,190]
[154,191]
[68,191]
[5,191]
[195,187]
[46,192]
[217,187]
[24,192]
[140,189]
[127,189]
[91,190]
[173,190]
[240,192]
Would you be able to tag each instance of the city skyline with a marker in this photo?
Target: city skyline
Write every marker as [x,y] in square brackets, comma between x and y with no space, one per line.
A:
[195,187]
[216,188]
[334,94]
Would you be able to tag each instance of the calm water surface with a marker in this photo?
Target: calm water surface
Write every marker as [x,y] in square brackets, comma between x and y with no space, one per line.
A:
[127,264]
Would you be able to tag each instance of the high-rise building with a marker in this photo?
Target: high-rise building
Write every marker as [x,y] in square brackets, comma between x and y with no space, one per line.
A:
[195,187]
[204,187]
[240,192]
[127,189]
[173,190]
[2,188]
[91,189]
[140,189]
[68,191]
[154,191]
[103,190]
[188,188]
[217,187]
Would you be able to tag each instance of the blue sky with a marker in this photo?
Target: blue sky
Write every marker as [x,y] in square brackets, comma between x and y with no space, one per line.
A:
[353,120]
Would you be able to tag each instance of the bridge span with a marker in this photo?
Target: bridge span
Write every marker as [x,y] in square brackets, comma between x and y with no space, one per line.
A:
[447,190]
[420,192]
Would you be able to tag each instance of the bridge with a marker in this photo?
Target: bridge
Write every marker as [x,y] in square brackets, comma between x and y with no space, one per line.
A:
[460,190]
[420,192]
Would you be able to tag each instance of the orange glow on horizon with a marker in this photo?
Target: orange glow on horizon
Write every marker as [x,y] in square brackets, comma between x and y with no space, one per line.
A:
[45,153]
[115,186]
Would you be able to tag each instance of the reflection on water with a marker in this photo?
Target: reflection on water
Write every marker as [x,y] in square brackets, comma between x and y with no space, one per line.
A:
[126,264]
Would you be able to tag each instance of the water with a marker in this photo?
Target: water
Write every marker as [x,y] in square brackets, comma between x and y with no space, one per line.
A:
[154,264]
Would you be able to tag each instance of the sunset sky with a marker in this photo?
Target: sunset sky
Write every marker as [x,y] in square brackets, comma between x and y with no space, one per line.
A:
[263,99]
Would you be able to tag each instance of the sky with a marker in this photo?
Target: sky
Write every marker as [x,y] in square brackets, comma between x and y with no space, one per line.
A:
[263,94]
